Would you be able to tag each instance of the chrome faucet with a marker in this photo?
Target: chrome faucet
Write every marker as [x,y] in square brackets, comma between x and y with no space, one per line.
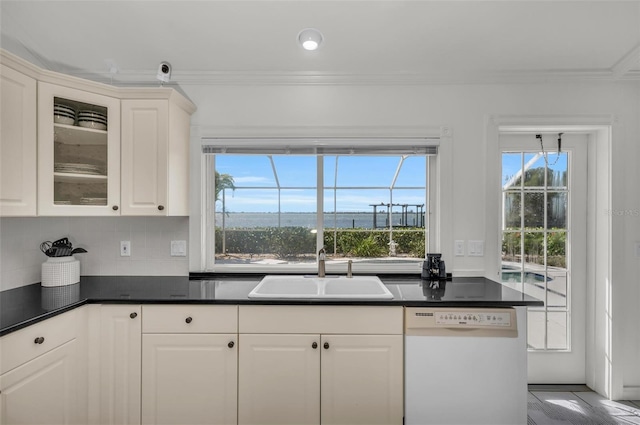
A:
[349,263]
[321,260]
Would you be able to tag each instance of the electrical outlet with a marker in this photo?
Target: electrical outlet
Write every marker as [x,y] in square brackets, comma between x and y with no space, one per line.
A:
[458,248]
[125,248]
[178,248]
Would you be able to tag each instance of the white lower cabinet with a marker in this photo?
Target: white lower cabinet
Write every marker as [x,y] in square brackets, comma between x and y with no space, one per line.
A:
[189,364]
[42,391]
[118,364]
[189,379]
[349,376]
[279,379]
[361,379]
[42,380]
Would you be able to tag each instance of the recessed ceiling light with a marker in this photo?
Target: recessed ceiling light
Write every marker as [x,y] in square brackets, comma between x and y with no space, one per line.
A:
[310,38]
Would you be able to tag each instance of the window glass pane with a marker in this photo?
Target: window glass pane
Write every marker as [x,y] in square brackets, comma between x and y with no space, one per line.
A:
[534,250]
[557,288]
[267,212]
[536,328]
[367,171]
[413,172]
[512,210]
[511,249]
[557,330]
[247,170]
[534,170]
[533,283]
[533,210]
[557,173]
[296,170]
[557,210]
[511,170]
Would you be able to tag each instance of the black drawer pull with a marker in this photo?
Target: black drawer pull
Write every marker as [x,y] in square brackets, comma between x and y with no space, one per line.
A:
[133,315]
[39,340]
[326,345]
[314,345]
[188,320]
[115,208]
[230,344]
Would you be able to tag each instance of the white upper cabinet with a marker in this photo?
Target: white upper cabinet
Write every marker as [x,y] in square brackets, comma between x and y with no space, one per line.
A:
[17,143]
[155,158]
[73,147]
[78,152]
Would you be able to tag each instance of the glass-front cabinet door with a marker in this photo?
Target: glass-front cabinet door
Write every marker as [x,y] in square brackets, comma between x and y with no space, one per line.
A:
[78,152]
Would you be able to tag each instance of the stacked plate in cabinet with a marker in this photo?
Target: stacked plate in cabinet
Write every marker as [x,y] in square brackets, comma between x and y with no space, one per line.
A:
[93,201]
[63,114]
[92,119]
[63,167]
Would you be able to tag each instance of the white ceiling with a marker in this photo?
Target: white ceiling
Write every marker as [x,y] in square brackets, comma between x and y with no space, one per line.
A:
[212,42]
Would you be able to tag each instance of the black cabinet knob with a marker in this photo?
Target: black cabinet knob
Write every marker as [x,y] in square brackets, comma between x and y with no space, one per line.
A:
[39,340]
[314,345]
[188,320]
[230,344]
[133,315]
[326,345]
[160,207]
[115,208]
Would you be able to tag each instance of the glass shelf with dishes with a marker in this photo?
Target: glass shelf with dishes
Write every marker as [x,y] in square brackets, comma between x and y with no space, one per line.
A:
[80,153]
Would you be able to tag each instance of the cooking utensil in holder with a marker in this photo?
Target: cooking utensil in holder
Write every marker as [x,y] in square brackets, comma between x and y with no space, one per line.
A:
[60,271]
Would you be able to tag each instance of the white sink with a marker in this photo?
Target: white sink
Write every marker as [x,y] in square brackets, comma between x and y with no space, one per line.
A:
[314,287]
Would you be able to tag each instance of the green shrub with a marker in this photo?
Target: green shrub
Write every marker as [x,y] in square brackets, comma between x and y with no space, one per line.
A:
[291,242]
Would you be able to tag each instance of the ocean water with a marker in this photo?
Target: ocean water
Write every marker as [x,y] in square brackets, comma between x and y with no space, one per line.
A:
[308,220]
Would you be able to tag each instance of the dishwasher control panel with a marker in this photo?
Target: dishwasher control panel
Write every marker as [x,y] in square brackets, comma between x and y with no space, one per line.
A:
[474,319]
[461,321]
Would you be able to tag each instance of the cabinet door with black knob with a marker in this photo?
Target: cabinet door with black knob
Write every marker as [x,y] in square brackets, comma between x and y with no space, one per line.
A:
[189,378]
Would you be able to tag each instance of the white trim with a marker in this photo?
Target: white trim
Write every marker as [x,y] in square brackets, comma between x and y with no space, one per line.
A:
[319,132]
[600,376]
[244,78]
[631,392]
[628,63]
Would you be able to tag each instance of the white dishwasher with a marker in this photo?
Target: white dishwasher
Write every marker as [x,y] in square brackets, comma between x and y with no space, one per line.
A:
[465,366]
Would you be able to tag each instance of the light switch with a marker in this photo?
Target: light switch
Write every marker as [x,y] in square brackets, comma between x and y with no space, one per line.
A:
[476,248]
[178,248]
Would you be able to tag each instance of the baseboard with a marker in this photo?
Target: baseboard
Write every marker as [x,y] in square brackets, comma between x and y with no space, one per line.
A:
[569,388]
[631,392]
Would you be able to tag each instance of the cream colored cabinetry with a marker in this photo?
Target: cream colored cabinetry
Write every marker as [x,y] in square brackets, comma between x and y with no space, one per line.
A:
[189,364]
[17,143]
[78,159]
[41,381]
[320,364]
[155,158]
[114,360]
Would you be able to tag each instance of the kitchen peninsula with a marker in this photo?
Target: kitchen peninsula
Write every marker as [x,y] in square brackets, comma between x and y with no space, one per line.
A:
[136,348]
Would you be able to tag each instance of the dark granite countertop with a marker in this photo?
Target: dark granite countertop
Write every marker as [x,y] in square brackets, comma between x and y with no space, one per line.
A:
[30,304]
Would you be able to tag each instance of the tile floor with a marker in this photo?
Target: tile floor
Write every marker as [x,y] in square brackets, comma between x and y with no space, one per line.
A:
[578,406]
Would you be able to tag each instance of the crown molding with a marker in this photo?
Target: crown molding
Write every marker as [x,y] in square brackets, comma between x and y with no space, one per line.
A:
[629,64]
[91,85]
[244,78]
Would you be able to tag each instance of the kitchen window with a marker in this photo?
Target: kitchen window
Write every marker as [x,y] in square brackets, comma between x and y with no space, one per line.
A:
[273,209]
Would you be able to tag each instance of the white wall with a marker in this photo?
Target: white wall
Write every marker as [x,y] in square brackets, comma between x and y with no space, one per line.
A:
[150,237]
[272,110]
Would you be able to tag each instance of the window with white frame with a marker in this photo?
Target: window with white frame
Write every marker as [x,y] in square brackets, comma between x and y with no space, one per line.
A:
[275,208]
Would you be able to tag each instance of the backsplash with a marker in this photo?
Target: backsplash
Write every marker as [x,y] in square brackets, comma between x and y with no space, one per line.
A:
[150,237]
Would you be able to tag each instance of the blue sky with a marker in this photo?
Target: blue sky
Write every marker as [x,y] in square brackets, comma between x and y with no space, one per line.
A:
[298,173]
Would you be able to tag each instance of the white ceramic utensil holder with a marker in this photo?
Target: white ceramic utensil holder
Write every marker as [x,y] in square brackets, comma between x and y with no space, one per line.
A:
[60,271]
